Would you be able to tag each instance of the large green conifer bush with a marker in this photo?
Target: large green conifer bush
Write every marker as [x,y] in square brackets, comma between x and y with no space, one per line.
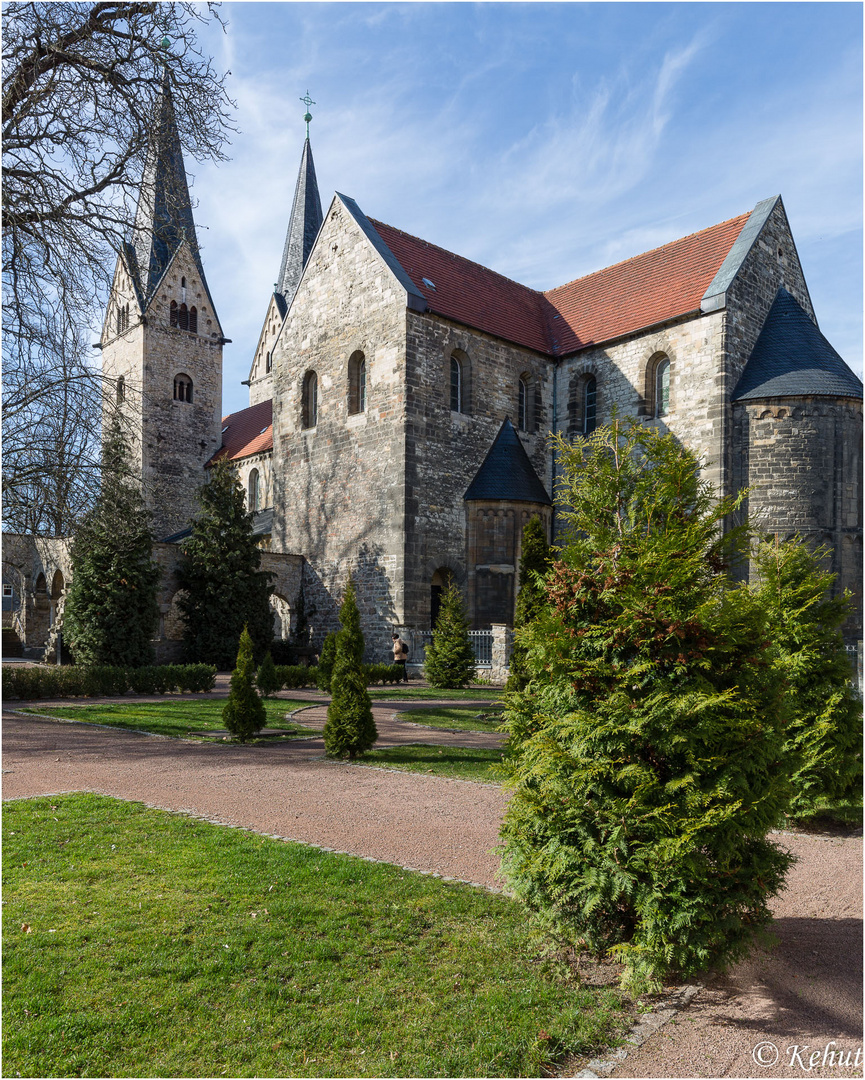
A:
[648,758]
[824,711]
[349,730]
[535,561]
[244,713]
[326,660]
[450,660]
[111,613]
[225,588]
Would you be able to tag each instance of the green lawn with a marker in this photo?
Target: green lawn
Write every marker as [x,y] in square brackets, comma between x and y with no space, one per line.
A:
[143,943]
[428,693]
[457,718]
[175,718]
[457,763]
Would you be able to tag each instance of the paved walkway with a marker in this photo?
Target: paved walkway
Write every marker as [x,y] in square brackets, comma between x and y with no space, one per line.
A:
[805,993]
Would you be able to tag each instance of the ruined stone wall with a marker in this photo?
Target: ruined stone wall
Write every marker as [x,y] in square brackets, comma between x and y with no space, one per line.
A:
[173,439]
[340,484]
[803,459]
[445,449]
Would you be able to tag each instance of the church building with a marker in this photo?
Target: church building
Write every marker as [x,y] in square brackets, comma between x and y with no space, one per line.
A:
[401,396]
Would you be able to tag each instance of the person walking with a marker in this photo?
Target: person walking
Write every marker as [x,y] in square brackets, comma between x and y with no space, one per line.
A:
[400,655]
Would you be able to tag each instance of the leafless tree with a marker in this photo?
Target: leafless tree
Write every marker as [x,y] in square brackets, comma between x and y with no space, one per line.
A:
[80,88]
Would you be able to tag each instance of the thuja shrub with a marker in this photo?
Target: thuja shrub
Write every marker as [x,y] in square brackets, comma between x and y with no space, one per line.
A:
[326,660]
[823,734]
[349,730]
[244,714]
[450,660]
[648,760]
[266,678]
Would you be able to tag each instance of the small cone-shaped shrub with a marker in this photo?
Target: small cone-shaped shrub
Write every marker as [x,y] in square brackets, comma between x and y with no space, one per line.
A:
[534,564]
[326,660]
[244,715]
[267,680]
[349,729]
[450,660]
[823,735]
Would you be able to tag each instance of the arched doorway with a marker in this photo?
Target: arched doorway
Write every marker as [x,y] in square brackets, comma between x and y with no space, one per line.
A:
[440,581]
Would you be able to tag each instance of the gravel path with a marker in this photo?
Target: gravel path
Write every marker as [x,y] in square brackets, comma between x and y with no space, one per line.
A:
[805,993]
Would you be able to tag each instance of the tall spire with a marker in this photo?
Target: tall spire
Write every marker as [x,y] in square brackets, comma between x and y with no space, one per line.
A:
[306,219]
[164,215]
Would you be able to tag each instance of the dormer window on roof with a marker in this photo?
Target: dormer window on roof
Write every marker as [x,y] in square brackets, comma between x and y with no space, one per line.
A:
[429,284]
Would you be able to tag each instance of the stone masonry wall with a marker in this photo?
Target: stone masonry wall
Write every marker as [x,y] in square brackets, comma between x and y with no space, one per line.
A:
[173,439]
[803,460]
[624,373]
[771,263]
[445,449]
[339,486]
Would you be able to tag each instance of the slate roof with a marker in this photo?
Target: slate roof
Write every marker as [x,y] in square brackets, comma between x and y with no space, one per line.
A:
[163,217]
[791,358]
[303,225]
[507,472]
[648,289]
[248,431]
[262,525]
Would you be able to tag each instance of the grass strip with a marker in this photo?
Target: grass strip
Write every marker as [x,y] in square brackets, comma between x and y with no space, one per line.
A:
[178,719]
[456,717]
[143,943]
[453,762]
[429,693]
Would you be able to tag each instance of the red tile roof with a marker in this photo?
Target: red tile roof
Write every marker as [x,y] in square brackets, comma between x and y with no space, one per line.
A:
[640,292]
[248,431]
[622,299]
[470,293]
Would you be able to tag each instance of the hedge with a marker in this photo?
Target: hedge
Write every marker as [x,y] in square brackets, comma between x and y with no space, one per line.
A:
[296,677]
[102,681]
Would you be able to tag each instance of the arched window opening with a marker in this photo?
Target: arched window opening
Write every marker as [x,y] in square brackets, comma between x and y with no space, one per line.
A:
[121,390]
[590,405]
[173,313]
[357,383]
[268,364]
[662,387]
[254,491]
[182,388]
[309,403]
[183,289]
[523,405]
[183,317]
[456,385]
[193,319]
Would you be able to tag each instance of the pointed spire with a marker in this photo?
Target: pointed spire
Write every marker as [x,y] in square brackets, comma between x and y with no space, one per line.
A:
[164,215]
[306,219]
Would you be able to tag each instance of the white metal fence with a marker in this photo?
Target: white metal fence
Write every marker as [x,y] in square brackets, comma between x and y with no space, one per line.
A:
[482,643]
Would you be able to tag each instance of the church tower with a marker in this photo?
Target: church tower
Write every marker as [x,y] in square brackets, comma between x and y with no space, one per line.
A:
[304,223]
[161,341]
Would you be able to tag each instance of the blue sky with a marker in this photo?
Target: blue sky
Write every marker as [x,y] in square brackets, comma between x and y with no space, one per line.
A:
[543,140]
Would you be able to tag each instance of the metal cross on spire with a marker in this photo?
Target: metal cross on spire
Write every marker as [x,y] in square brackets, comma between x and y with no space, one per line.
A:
[307,102]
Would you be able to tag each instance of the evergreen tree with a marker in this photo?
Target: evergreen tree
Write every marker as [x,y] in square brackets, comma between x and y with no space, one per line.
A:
[267,679]
[648,763]
[349,729]
[450,660]
[535,561]
[326,660]
[824,726]
[111,614]
[225,589]
[244,714]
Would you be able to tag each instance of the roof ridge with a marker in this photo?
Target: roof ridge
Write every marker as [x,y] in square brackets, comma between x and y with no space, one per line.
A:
[456,255]
[642,254]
